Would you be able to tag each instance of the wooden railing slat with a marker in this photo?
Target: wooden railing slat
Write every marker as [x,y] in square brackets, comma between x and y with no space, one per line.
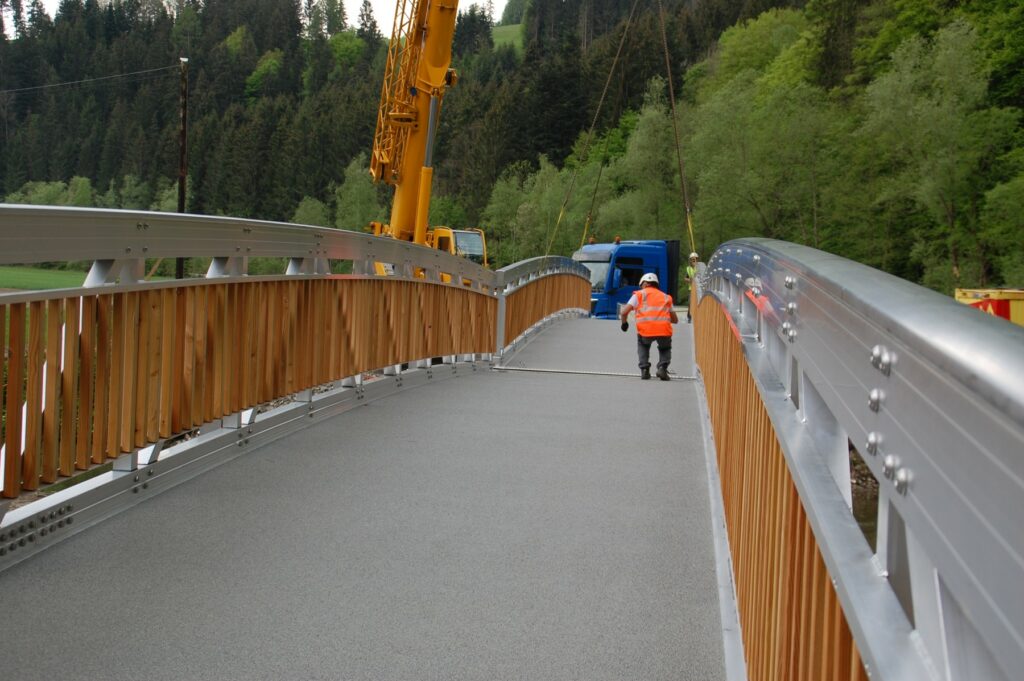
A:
[31,463]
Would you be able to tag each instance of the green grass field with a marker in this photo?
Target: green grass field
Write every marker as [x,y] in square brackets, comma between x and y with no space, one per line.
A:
[509,35]
[36,279]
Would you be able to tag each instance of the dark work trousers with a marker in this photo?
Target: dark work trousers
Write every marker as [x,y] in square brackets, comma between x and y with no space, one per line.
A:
[643,349]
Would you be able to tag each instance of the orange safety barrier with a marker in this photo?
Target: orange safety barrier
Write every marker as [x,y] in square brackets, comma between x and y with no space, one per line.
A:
[793,625]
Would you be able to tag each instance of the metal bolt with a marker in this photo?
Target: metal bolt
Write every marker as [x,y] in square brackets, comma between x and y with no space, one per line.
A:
[882,359]
[792,335]
[903,479]
[875,399]
[757,259]
[136,478]
[885,362]
[791,308]
[874,440]
[150,472]
[889,465]
[145,485]
[786,326]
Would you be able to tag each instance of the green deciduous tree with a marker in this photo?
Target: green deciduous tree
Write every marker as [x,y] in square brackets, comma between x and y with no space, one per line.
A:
[357,201]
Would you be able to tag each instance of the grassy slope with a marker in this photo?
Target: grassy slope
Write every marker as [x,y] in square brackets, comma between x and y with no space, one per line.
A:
[509,35]
[32,278]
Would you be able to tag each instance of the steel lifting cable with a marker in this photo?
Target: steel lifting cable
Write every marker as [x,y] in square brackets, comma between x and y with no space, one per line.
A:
[593,197]
[675,129]
[590,133]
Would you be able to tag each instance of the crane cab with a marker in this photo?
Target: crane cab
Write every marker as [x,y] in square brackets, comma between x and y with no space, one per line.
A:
[465,243]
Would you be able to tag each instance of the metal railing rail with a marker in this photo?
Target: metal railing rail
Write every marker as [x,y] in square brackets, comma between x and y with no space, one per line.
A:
[931,392]
[183,375]
[118,242]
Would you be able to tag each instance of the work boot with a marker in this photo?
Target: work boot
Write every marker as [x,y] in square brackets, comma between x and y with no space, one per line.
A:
[645,374]
[663,373]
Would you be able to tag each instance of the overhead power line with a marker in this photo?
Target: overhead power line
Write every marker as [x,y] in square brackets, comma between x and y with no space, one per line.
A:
[88,80]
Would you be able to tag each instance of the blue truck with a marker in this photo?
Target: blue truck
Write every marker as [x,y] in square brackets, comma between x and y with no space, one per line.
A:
[616,268]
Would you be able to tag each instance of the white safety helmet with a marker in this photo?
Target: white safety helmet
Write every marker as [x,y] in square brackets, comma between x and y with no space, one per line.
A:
[694,256]
[649,277]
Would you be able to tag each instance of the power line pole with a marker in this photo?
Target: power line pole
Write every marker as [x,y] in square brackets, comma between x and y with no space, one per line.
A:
[179,265]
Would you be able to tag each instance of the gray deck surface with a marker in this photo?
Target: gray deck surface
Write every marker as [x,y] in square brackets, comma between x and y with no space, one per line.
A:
[498,526]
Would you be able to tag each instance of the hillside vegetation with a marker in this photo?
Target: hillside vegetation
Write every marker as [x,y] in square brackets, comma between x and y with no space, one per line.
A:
[888,131]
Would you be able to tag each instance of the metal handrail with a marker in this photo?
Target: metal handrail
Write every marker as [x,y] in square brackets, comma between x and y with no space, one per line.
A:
[930,390]
[34,234]
[517,274]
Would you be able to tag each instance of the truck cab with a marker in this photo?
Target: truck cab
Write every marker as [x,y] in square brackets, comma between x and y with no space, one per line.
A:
[616,268]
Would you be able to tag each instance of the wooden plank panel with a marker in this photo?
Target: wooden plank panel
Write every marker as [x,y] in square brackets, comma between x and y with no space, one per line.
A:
[189,354]
[51,391]
[69,387]
[86,380]
[130,380]
[31,464]
[272,360]
[199,355]
[216,373]
[143,356]
[3,376]
[101,411]
[154,365]
[182,365]
[236,349]
[15,378]
[115,409]
[251,331]
[290,332]
[168,354]
[262,339]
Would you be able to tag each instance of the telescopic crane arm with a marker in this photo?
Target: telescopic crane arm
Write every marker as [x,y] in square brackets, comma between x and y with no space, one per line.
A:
[416,76]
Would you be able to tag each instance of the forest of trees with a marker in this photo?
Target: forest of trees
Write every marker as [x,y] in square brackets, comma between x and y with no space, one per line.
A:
[887,131]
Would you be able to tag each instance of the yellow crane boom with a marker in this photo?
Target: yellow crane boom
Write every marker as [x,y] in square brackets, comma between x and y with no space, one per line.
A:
[416,76]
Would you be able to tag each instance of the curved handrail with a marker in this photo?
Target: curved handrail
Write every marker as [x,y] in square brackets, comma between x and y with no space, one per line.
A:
[517,274]
[32,234]
[931,390]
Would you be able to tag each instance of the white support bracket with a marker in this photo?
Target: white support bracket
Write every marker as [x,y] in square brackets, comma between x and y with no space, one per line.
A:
[106,272]
[232,266]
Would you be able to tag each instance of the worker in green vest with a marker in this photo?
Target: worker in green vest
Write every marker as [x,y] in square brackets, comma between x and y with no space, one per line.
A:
[691,273]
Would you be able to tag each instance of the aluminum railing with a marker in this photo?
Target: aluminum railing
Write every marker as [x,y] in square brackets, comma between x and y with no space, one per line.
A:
[840,356]
[164,379]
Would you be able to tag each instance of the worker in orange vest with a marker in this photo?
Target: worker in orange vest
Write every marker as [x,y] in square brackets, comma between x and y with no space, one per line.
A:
[654,320]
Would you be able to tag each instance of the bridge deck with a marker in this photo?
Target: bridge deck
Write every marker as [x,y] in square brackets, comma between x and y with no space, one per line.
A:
[505,525]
